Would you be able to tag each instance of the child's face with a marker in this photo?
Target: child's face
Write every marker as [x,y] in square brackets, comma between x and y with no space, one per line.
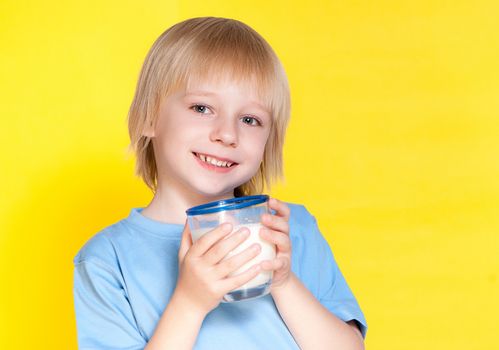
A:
[224,121]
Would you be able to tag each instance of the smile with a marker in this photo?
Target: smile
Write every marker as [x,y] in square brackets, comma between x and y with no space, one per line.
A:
[217,162]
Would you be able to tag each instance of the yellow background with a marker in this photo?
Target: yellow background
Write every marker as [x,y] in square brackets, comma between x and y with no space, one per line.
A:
[393,146]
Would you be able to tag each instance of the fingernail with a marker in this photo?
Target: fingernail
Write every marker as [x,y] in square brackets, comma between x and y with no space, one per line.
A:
[244,231]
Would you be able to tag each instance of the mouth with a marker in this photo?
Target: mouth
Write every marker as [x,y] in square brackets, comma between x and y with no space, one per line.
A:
[213,161]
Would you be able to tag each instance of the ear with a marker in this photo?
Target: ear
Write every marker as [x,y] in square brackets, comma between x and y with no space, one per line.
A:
[149,131]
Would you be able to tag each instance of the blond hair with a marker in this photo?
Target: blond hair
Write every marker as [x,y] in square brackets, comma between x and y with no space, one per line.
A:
[209,47]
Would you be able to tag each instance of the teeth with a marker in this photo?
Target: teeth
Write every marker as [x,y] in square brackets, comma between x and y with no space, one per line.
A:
[213,161]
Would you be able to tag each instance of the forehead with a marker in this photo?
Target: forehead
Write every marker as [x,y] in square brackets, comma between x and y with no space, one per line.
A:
[217,84]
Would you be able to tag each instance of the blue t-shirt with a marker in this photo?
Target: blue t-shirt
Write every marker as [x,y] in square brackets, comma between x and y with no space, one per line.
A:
[125,275]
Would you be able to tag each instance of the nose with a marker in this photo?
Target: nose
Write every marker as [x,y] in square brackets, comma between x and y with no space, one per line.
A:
[225,132]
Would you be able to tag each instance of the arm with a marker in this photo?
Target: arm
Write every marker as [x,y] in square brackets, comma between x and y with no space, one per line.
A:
[201,285]
[312,325]
[178,327]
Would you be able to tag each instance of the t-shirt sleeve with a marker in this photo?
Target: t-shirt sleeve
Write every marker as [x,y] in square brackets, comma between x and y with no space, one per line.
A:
[104,317]
[319,271]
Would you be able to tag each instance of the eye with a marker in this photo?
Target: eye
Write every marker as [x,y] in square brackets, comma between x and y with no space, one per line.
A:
[200,109]
[251,121]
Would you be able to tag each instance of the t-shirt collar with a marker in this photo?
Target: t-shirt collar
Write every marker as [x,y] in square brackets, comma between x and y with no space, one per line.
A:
[156,227]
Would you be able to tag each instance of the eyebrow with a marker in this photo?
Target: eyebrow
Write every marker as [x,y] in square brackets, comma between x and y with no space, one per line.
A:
[208,94]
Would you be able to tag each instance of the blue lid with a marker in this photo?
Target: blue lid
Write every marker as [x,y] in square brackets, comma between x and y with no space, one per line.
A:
[227,204]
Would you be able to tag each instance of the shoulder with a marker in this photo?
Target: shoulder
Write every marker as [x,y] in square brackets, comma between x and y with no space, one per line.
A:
[303,225]
[304,229]
[299,215]
[101,247]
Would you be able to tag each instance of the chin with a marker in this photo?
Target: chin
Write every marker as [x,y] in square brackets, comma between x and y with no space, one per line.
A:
[213,190]
[214,194]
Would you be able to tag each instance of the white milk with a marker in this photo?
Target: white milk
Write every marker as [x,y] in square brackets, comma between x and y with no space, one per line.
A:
[267,253]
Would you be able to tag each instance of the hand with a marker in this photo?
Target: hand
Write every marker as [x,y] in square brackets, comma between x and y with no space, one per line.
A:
[203,272]
[277,232]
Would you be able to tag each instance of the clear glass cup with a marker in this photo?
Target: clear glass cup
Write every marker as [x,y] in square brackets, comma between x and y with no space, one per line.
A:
[240,212]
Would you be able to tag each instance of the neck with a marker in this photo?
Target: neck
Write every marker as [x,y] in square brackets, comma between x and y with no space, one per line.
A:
[170,203]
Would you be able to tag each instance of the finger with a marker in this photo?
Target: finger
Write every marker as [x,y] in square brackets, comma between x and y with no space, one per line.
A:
[237,281]
[276,264]
[281,208]
[185,242]
[280,239]
[210,238]
[235,262]
[223,247]
[275,222]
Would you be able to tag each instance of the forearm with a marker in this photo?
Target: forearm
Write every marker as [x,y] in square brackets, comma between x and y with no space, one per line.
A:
[311,324]
[178,327]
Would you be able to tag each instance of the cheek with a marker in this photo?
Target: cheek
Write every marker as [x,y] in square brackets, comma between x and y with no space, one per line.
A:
[256,146]
[177,131]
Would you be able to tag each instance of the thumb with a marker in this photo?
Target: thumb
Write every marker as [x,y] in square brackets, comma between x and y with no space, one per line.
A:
[185,243]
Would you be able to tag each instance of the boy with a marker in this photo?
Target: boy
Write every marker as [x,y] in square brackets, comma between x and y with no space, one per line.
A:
[207,123]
